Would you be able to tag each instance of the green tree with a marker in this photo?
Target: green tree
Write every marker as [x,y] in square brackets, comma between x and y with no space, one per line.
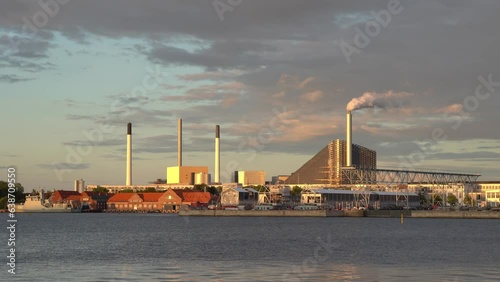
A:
[219,190]
[100,189]
[3,203]
[4,191]
[452,199]
[200,187]
[150,189]
[468,200]
[213,190]
[295,192]
[437,198]
[423,200]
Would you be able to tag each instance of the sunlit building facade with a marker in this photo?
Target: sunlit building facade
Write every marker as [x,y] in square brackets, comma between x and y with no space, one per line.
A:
[326,166]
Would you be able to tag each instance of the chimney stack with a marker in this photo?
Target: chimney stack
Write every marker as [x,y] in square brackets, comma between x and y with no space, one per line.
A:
[128,180]
[217,154]
[179,142]
[349,140]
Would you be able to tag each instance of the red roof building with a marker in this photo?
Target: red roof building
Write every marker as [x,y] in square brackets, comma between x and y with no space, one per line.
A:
[169,201]
[62,195]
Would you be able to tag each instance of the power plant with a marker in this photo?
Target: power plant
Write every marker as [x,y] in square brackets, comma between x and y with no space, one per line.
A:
[341,163]
[186,175]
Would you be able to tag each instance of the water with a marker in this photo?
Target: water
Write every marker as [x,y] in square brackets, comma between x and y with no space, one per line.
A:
[159,247]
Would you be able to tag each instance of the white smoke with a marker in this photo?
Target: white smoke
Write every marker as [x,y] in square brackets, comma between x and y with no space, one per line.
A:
[380,100]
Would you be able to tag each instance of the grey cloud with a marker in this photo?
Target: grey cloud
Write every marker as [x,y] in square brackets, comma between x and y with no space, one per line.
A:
[472,156]
[79,117]
[105,143]
[435,49]
[64,166]
[220,55]
[120,156]
[13,78]
[12,155]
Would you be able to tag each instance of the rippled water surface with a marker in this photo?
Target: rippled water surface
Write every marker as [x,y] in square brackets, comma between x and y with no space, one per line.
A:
[158,247]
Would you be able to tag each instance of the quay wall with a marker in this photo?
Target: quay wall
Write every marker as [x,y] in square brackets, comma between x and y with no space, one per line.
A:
[456,214]
[351,213]
[266,213]
[387,213]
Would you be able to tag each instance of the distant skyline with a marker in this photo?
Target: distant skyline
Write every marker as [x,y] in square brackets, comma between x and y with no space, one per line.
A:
[276,75]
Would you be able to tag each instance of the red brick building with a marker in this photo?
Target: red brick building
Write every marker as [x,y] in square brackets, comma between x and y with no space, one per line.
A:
[169,201]
[60,196]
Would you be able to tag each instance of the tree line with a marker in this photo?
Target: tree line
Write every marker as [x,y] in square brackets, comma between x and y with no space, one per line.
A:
[4,187]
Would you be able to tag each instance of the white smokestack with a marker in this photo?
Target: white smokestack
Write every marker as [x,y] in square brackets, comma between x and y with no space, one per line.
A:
[128,180]
[179,142]
[217,154]
[349,139]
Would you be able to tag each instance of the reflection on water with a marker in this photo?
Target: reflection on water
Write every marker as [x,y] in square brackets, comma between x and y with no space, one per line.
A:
[209,271]
[132,247]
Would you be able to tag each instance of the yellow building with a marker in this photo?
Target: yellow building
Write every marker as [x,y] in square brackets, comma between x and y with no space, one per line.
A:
[246,177]
[490,192]
[185,174]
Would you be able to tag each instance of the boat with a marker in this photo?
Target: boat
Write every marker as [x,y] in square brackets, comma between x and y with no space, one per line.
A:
[38,203]
[306,207]
[262,207]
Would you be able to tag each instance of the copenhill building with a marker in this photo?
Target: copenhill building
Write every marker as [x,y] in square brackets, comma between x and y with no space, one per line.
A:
[326,166]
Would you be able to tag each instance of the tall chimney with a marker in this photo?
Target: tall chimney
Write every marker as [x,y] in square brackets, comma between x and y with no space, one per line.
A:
[217,154]
[179,142]
[349,140]
[128,180]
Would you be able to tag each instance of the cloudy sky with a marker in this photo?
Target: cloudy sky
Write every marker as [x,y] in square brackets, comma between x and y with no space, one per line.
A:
[276,75]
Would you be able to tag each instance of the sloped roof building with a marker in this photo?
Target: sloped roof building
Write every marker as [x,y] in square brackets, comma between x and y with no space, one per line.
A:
[326,166]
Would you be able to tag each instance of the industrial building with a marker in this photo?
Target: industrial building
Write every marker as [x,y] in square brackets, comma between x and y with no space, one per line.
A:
[250,178]
[326,166]
[349,199]
[188,175]
[237,196]
[79,185]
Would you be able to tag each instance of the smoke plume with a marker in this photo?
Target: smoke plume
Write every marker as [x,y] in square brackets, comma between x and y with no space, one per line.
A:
[380,100]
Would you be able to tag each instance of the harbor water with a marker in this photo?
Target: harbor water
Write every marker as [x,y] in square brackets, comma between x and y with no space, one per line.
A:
[161,247]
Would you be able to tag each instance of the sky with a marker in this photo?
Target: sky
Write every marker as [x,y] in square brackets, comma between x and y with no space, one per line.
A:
[275,75]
